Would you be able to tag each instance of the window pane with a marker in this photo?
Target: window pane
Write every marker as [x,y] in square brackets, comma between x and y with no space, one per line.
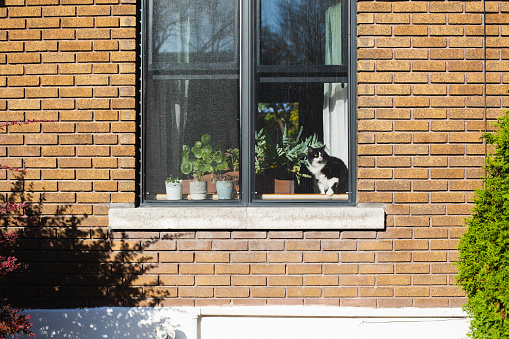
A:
[290,117]
[303,32]
[198,31]
[191,95]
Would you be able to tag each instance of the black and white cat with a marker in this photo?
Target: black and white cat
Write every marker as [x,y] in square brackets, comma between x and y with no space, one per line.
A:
[330,172]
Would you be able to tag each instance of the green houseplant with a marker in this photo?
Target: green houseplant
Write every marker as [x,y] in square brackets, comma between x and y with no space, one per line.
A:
[197,161]
[202,159]
[226,173]
[282,160]
[173,188]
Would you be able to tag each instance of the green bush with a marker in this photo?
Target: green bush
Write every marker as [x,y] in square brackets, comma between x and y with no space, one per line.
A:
[484,249]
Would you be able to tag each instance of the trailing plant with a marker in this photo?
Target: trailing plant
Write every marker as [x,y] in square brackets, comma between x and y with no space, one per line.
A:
[484,249]
[283,159]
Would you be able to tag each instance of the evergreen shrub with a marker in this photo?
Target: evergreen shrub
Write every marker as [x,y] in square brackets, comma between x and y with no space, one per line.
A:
[484,249]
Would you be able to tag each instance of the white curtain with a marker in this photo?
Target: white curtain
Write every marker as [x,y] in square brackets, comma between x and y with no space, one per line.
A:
[335,103]
[335,120]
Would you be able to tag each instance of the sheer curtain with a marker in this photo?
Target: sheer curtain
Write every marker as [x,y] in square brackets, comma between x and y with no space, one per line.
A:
[335,103]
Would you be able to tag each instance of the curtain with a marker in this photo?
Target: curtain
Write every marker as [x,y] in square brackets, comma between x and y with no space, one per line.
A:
[335,103]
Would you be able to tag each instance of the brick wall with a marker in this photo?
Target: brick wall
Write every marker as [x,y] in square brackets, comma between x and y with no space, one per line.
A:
[421,109]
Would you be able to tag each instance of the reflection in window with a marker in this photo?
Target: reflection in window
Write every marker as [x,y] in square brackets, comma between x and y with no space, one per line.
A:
[191,89]
[294,94]
[301,32]
[193,31]
[299,105]
[292,117]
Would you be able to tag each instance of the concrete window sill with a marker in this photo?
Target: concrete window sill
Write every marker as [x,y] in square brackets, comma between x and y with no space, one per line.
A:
[247,218]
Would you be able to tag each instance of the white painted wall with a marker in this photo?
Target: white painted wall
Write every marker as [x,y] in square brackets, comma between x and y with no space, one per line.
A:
[251,322]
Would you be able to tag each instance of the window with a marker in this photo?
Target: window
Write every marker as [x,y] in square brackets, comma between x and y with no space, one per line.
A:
[240,89]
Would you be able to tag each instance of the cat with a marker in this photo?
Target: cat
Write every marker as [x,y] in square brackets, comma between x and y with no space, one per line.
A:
[330,172]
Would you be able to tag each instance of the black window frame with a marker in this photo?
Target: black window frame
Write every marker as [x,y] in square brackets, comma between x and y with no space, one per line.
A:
[249,71]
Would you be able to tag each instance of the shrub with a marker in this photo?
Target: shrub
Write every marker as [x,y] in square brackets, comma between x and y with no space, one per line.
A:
[484,249]
[11,320]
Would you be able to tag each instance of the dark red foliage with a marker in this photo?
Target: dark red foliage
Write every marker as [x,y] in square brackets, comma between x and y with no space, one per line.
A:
[13,322]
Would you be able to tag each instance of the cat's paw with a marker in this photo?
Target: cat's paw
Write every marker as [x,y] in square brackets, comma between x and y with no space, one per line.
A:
[330,192]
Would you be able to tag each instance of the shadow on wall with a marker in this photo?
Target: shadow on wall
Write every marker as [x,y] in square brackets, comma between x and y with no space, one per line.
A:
[70,263]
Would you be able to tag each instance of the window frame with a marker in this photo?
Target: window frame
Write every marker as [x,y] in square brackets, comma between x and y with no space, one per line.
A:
[248,50]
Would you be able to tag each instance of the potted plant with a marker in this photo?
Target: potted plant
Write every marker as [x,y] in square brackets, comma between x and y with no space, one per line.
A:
[198,161]
[173,188]
[281,160]
[226,173]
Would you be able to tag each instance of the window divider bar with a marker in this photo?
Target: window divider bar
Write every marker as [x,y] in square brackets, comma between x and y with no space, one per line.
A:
[246,99]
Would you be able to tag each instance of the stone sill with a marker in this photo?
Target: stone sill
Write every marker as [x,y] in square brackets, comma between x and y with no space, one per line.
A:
[246,218]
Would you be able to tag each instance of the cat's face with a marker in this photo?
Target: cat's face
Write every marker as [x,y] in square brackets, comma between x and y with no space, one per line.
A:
[315,155]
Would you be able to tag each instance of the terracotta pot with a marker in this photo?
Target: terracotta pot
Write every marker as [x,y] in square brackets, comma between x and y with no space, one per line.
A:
[268,185]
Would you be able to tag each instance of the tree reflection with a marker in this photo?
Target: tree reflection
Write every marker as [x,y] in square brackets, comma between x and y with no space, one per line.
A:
[193,31]
[295,33]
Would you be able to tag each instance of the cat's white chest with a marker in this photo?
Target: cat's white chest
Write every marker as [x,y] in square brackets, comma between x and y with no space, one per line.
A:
[316,169]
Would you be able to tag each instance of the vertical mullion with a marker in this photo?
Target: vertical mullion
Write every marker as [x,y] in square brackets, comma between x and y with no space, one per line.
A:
[352,100]
[246,100]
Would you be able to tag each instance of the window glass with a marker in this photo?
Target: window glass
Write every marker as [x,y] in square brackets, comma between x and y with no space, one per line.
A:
[198,31]
[302,32]
[291,118]
[302,101]
[295,119]
[191,91]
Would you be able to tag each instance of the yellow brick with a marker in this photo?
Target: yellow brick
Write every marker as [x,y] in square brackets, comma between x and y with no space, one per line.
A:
[428,19]
[59,11]
[393,89]
[470,42]
[43,23]
[429,89]
[410,78]
[107,22]
[77,22]
[26,104]
[12,23]
[373,7]
[428,66]
[23,81]
[400,18]
[40,69]
[93,57]
[396,66]
[24,12]
[59,34]
[94,11]
[25,34]
[446,31]
[374,30]
[75,46]
[54,57]
[41,92]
